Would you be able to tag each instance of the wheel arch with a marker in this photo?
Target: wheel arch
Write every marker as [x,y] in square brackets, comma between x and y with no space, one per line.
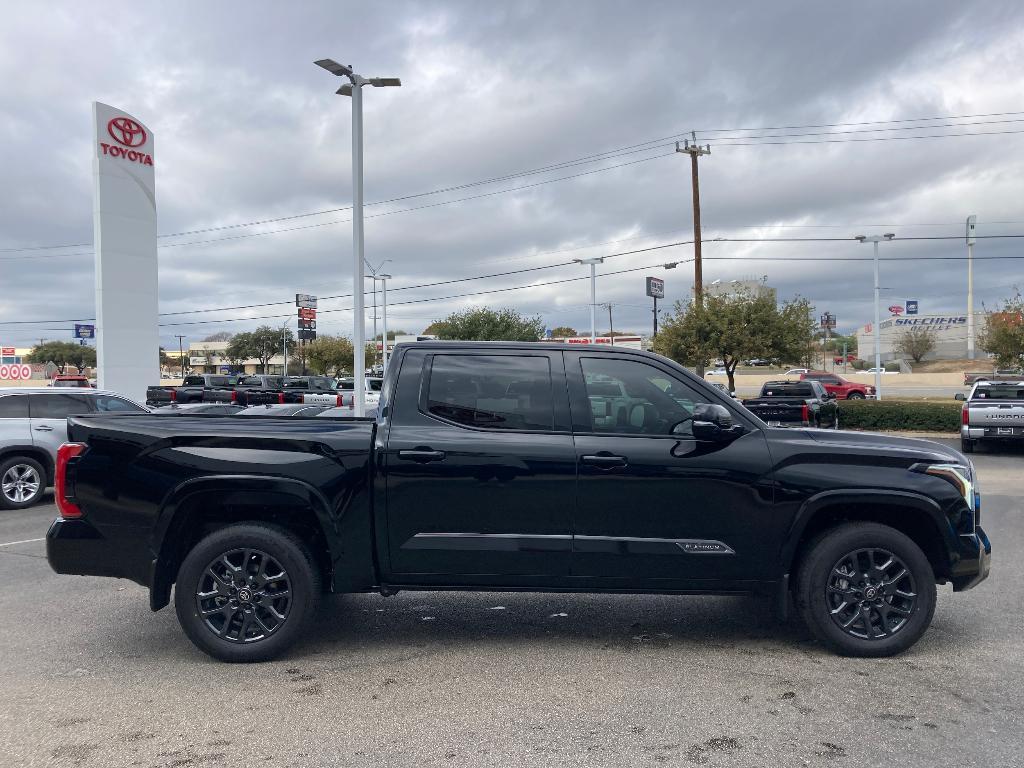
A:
[917,516]
[202,505]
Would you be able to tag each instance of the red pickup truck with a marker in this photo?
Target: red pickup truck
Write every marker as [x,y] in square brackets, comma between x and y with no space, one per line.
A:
[842,388]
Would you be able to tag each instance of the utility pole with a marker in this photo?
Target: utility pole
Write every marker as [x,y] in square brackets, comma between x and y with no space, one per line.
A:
[384,336]
[611,328]
[181,356]
[284,348]
[972,222]
[695,151]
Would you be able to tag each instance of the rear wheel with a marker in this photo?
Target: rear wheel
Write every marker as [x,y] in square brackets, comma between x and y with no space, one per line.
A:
[855,396]
[22,482]
[245,593]
[865,589]
[966,446]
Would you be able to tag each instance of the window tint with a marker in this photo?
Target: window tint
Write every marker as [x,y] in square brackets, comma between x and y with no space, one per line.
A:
[492,391]
[1011,392]
[789,389]
[58,405]
[346,385]
[111,404]
[193,381]
[629,397]
[14,407]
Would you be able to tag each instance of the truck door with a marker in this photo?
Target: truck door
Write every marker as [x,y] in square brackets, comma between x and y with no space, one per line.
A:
[655,507]
[480,468]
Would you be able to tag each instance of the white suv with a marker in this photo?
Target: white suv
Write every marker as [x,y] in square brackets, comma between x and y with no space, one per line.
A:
[33,424]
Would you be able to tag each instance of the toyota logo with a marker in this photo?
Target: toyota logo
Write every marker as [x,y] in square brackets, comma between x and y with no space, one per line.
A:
[126,131]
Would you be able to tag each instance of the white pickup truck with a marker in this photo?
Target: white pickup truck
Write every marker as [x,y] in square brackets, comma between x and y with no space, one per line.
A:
[993,411]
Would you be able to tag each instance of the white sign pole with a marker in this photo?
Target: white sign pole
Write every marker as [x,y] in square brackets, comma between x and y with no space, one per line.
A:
[124,237]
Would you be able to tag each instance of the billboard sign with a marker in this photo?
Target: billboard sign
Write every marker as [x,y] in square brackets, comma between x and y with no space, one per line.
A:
[307,314]
[85,331]
[15,371]
[7,351]
[896,309]
[828,320]
[656,287]
[911,306]
[305,301]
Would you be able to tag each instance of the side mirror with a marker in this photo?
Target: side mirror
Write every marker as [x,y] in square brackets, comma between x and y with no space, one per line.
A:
[959,396]
[713,422]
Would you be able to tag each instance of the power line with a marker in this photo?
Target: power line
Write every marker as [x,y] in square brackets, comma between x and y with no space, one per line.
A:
[869,138]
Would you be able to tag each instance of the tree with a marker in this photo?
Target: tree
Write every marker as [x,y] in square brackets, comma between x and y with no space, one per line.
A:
[1004,334]
[219,336]
[916,342]
[261,344]
[734,328]
[483,324]
[62,354]
[330,354]
[563,332]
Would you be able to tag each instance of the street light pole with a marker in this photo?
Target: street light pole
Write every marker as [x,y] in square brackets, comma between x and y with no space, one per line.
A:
[355,89]
[384,338]
[972,222]
[593,293]
[875,240]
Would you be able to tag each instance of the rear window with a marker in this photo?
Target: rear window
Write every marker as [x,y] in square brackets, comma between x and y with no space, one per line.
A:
[194,381]
[14,407]
[273,382]
[788,390]
[492,391]
[999,393]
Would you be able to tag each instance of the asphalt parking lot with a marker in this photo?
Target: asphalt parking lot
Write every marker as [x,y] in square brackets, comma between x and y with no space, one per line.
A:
[91,678]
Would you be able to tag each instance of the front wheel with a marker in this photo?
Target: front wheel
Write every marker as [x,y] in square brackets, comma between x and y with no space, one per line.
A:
[865,589]
[855,396]
[245,593]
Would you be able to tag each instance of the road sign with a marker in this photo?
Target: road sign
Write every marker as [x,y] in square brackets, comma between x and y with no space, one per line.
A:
[828,320]
[85,331]
[911,306]
[656,287]
[305,301]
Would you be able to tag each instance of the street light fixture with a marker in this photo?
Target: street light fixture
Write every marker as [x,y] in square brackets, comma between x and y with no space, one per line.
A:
[355,89]
[875,240]
[593,293]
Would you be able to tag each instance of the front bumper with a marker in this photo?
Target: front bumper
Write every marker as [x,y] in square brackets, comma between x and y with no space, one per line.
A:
[974,561]
[76,546]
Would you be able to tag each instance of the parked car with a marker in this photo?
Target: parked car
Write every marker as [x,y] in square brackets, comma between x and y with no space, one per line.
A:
[517,466]
[347,386]
[795,404]
[296,388]
[717,372]
[33,424]
[219,409]
[70,380]
[993,412]
[796,371]
[999,374]
[843,389]
[758,362]
[191,390]
[873,371]
[255,389]
[282,409]
[839,359]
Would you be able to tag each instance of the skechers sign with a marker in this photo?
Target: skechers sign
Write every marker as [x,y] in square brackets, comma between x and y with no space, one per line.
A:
[128,134]
[933,323]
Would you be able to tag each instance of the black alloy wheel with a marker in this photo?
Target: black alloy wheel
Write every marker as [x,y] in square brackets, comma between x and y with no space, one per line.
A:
[244,596]
[870,593]
[865,589]
[246,592]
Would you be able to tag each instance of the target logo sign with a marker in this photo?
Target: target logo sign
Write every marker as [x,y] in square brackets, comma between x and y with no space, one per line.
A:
[15,371]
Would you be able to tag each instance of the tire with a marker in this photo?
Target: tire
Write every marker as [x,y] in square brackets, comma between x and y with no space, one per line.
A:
[855,396]
[229,632]
[820,590]
[966,446]
[22,482]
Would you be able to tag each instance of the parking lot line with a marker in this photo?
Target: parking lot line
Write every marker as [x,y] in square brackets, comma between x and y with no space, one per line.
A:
[23,541]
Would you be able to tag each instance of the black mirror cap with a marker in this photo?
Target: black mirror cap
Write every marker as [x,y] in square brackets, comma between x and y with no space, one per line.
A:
[714,422]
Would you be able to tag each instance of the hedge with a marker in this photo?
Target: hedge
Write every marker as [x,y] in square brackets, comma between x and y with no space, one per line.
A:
[908,415]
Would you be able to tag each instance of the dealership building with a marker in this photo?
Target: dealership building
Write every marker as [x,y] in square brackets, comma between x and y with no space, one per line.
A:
[950,332]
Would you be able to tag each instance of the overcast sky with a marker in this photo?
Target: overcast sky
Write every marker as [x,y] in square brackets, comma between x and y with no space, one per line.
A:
[248,129]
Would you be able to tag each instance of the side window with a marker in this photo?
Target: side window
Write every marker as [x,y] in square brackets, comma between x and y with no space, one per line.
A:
[58,406]
[492,391]
[14,407]
[630,397]
[111,404]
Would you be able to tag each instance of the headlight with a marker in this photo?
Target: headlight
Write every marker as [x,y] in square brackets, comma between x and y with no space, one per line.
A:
[961,477]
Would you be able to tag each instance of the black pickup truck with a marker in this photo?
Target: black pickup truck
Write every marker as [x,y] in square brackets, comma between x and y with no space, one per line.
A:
[256,389]
[795,404]
[516,466]
[191,390]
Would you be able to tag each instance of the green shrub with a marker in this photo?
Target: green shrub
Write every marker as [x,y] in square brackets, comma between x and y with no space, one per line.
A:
[891,366]
[900,415]
[860,365]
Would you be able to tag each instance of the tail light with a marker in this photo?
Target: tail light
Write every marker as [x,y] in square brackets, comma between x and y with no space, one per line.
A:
[234,396]
[67,508]
[280,398]
[963,415]
[341,400]
[805,414]
[174,395]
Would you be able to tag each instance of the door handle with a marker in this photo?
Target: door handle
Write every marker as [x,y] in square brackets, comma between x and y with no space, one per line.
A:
[422,455]
[43,428]
[605,461]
